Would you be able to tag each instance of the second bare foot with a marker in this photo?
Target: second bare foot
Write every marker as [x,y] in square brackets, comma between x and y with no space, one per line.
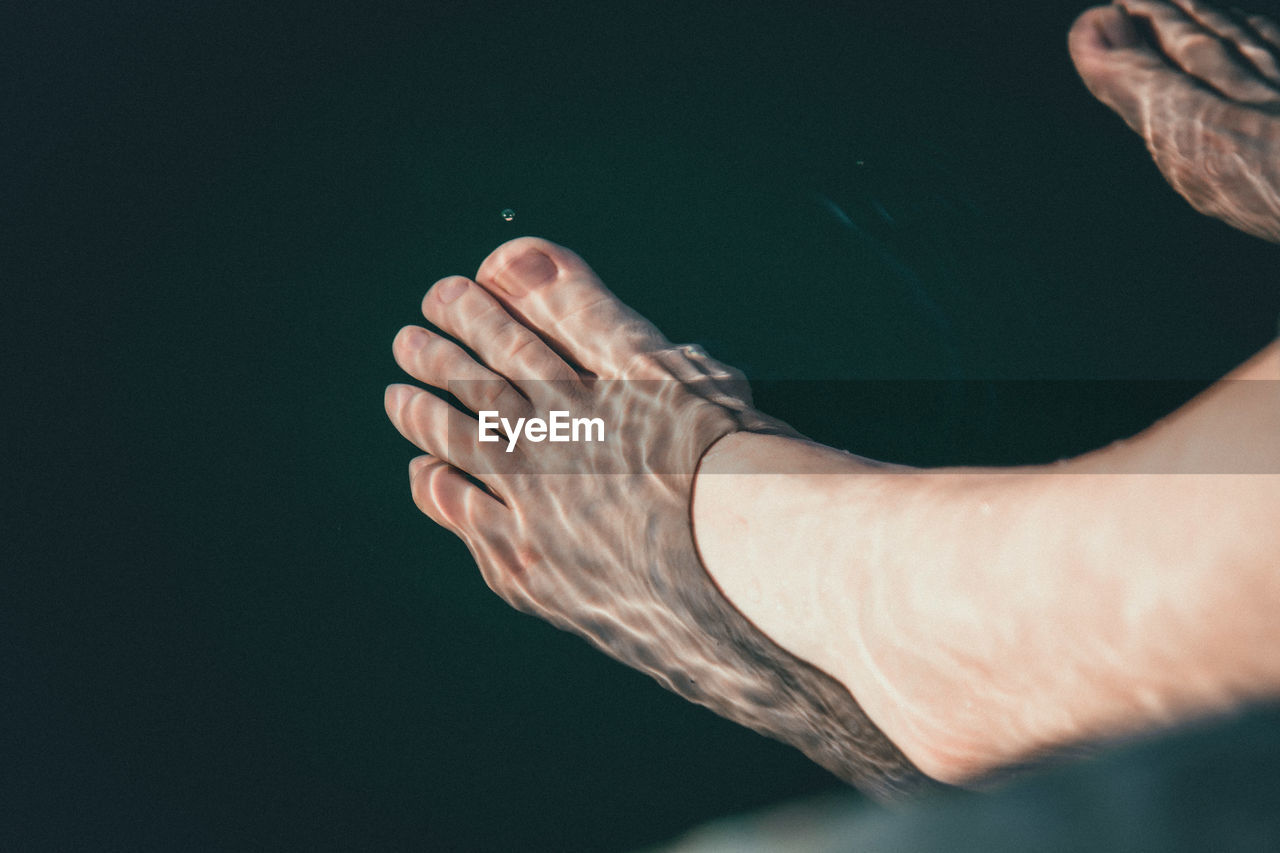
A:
[1202,87]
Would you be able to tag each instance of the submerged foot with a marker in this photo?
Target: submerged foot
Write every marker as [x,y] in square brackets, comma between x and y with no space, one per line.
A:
[596,535]
[1202,87]
[981,618]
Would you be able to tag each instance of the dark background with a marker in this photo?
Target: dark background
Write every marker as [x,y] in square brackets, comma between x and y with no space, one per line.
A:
[224,624]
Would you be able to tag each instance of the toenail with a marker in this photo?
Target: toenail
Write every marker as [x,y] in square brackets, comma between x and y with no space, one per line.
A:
[527,271]
[450,289]
[415,338]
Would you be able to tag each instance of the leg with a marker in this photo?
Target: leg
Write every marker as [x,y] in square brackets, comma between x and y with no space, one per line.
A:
[980,617]
[985,617]
[596,537]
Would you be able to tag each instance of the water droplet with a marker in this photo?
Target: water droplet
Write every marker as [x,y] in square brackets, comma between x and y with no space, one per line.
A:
[508,214]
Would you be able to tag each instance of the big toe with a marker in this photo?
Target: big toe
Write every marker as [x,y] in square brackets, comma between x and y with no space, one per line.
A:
[555,293]
[1117,66]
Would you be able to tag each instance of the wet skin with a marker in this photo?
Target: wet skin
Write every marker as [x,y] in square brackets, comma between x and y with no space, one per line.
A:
[778,594]
[595,537]
[1202,87]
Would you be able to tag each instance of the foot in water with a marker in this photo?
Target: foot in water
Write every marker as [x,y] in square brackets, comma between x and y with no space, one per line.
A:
[896,625]
[1202,87]
[802,590]
[597,536]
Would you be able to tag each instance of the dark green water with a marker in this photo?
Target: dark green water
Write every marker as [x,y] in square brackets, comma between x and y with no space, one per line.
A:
[230,628]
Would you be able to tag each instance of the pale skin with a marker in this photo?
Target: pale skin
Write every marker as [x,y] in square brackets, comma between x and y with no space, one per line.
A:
[979,617]
[984,616]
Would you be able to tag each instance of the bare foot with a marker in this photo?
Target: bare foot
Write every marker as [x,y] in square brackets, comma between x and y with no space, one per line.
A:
[1202,87]
[596,536]
[981,617]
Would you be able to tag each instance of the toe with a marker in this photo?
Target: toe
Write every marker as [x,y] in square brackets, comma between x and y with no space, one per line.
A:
[451,500]
[507,346]
[1115,64]
[487,527]
[1213,150]
[554,290]
[1237,34]
[440,363]
[437,428]
[1103,29]
[1153,96]
[1201,52]
[1267,31]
